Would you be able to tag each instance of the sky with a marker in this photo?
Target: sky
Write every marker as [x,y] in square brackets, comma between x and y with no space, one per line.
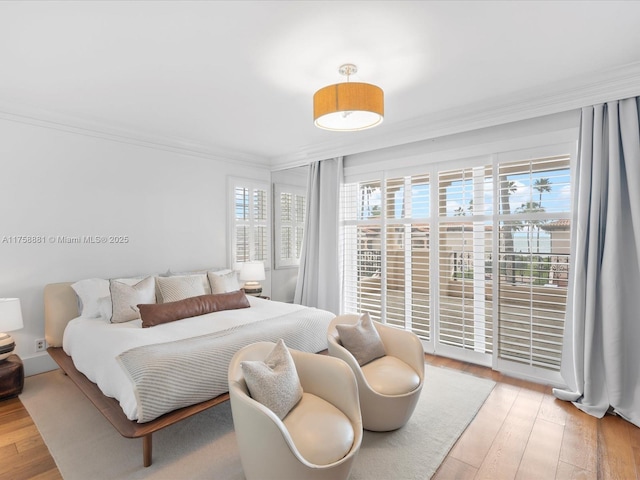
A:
[458,195]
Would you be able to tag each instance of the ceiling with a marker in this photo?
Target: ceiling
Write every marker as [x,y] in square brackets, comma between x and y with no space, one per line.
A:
[235,79]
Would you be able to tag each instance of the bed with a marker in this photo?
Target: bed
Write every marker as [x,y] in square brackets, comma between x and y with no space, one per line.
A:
[116,365]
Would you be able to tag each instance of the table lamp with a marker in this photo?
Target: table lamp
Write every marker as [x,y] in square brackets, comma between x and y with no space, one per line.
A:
[10,319]
[252,273]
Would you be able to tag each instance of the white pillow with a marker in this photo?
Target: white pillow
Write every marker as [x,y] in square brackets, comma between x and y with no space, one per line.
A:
[105,307]
[94,296]
[274,382]
[125,298]
[89,291]
[362,340]
[223,281]
[179,287]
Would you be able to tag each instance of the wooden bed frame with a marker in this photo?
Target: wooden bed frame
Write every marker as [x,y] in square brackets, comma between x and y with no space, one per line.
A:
[60,306]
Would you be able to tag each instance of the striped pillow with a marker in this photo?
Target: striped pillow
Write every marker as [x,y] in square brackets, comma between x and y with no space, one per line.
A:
[179,287]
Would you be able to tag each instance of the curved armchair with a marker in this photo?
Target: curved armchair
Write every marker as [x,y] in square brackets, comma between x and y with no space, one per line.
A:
[318,439]
[389,387]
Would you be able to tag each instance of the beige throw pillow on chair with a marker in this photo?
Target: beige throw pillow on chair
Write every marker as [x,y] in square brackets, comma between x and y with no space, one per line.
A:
[274,382]
[362,340]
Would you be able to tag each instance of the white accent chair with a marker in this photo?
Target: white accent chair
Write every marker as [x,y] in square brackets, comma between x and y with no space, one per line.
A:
[318,439]
[389,387]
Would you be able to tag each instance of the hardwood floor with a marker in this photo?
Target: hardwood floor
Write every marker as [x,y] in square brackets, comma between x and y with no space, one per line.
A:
[23,454]
[521,432]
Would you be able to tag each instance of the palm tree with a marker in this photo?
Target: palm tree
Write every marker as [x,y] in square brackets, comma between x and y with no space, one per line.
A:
[531,207]
[542,185]
[507,188]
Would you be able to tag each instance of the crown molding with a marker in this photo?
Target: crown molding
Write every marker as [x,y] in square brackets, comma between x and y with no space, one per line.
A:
[56,121]
[614,84]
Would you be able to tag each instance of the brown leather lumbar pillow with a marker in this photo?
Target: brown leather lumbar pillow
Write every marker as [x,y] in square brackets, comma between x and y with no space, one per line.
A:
[157,313]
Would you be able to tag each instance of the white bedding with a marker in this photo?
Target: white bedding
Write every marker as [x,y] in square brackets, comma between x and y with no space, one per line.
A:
[94,343]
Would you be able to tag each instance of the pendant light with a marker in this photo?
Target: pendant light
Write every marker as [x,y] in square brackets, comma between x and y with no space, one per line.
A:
[348,106]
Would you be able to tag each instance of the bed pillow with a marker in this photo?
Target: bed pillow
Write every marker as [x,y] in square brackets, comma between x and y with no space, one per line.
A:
[179,287]
[89,291]
[170,273]
[274,382]
[362,340]
[223,281]
[125,298]
[106,308]
[105,303]
[156,314]
[94,296]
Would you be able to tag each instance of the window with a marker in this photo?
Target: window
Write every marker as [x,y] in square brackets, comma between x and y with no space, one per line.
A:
[497,230]
[465,236]
[387,273]
[360,206]
[250,221]
[535,204]
[290,209]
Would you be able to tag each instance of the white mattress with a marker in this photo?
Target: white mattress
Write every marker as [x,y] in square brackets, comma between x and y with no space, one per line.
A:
[94,343]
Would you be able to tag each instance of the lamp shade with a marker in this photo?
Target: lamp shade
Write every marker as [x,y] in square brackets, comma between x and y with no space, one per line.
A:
[349,106]
[10,314]
[252,271]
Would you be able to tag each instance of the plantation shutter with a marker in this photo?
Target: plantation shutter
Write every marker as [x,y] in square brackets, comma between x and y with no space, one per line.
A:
[250,220]
[534,259]
[497,229]
[464,261]
[290,209]
[261,227]
[386,254]
[406,253]
[242,224]
[362,267]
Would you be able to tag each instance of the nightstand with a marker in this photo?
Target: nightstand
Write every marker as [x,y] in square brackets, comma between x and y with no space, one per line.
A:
[259,295]
[11,377]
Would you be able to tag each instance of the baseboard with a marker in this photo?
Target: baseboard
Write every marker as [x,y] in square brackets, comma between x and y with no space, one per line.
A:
[38,364]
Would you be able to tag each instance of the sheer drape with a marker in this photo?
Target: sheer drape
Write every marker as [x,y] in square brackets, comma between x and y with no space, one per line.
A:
[319,275]
[601,356]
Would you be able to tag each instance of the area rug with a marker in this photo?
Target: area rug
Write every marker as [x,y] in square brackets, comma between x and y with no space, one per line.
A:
[84,445]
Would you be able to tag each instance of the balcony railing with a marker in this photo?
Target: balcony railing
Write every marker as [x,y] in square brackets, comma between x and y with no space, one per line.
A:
[531,302]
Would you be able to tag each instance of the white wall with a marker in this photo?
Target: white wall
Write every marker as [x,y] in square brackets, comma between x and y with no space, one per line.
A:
[522,135]
[171,206]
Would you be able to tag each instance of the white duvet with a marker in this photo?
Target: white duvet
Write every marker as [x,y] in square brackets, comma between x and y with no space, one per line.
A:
[95,343]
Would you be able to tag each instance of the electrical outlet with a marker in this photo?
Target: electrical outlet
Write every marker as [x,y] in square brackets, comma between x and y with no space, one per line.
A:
[41,345]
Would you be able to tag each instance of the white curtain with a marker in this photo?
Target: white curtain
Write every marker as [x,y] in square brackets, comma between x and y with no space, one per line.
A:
[601,355]
[319,275]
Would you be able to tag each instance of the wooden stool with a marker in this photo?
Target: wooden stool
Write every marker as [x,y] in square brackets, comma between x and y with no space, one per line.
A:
[11,377]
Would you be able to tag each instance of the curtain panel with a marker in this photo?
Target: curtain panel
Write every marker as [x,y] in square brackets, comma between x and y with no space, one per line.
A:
[319,276]
[601,350]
